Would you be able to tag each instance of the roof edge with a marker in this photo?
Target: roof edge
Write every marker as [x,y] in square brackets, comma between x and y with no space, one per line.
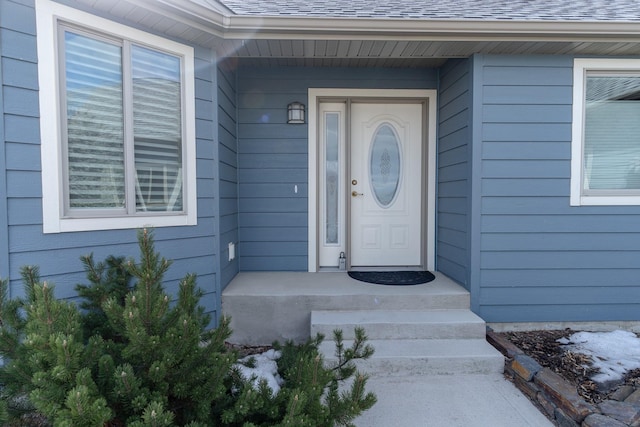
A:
[286,27]
[218,22]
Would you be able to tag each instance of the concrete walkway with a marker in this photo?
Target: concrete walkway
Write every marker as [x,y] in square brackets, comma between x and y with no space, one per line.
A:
[449,401]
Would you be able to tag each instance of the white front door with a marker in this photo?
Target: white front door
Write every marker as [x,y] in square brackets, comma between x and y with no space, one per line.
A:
[385,181]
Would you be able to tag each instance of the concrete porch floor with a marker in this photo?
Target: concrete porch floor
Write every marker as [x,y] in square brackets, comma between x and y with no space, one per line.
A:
[269,306]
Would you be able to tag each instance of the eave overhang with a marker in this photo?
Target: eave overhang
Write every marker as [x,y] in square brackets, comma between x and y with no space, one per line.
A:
[209,23]
[327,28]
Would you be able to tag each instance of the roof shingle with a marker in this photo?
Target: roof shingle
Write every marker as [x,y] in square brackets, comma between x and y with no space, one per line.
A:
[473,10]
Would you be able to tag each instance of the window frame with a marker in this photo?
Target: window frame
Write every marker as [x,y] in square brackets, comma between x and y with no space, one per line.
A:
[579,197]
[49,15]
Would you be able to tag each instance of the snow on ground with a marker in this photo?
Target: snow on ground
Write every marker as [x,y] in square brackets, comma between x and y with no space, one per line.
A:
[613,353]
[264,367]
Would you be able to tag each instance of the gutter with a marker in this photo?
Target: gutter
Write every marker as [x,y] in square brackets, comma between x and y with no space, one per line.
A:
[345,28]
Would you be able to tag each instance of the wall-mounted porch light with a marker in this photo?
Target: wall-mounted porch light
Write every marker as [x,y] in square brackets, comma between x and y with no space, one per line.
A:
[295,112]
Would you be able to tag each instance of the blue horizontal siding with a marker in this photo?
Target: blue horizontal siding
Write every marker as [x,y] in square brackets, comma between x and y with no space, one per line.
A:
[551,258]
[263,234]
[293,176]
[227,114]
[274,263]
[16,44]
[20,101]
[541,259]
[570,242]
[277,145]
[526,150]
[546,205]
[453,187]
[546,75]
[531,187]
[499,113]
[278,220]
[535,95]
[274,189]
[33,239]
[273,156]
[18,17]
[565,277]
[544,223]
[25,157]
[552,312]
[21,129]
[193,249]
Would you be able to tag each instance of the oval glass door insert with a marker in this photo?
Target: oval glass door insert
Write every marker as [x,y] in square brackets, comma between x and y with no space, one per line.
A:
[385,166]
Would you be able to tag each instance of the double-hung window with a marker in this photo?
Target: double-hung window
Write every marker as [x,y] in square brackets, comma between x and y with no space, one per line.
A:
[118,125]
[605,167]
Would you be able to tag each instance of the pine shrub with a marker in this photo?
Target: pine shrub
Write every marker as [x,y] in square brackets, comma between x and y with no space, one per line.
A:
[129,355]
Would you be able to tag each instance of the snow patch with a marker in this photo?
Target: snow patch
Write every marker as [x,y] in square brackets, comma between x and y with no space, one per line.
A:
[612,353]
[264,368]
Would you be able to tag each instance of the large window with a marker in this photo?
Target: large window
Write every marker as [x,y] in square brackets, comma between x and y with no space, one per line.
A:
[118,125]
[606,133]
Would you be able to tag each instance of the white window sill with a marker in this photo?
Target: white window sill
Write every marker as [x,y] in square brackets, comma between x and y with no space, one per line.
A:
[605,201]
[92,224]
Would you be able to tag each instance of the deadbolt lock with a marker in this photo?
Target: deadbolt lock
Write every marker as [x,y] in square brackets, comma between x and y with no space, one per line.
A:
[354,182]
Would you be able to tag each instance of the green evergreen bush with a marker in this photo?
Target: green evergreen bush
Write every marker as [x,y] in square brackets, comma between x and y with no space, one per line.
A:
[128,355]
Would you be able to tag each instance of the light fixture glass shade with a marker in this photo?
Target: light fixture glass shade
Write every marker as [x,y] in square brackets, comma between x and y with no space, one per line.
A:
[295,112]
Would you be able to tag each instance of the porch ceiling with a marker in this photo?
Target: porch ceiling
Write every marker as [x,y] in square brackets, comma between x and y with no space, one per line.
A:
[363,42]
[409,52]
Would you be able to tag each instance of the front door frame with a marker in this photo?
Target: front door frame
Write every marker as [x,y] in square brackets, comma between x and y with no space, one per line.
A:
[314,97]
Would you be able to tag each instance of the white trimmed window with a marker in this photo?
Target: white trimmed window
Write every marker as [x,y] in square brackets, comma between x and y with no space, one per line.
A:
[605,148]
[117,122]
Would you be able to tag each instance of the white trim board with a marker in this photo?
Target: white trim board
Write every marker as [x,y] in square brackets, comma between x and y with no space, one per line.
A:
[314,95]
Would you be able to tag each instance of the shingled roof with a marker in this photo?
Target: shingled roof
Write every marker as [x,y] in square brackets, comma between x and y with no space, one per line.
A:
[514,10]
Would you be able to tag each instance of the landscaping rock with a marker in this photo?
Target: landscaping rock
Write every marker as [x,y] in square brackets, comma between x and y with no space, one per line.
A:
[626,412]
[563,395]
[527,387]
[598,420]
[633,397]
[525,367]
[622,393]
[546,404]
[563,420]
[607,386]
[505,346]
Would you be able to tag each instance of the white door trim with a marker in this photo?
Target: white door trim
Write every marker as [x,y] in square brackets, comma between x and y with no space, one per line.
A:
[314,95]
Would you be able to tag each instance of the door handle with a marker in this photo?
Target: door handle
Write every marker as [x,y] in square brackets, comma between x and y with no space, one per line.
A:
[356,194]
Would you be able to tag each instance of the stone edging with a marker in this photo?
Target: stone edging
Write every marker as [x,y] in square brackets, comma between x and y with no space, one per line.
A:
[559,399]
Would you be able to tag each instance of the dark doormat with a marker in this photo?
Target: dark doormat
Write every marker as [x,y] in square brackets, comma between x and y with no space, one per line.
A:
[398,278]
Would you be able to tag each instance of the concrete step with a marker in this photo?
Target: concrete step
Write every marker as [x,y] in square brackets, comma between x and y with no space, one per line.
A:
[276,306]
[400,324]
[425,357]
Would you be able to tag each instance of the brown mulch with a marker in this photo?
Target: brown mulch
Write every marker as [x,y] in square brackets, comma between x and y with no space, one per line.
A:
[247,350]
[543,347]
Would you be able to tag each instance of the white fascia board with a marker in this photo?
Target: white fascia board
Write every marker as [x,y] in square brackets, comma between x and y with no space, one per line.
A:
[462,30]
